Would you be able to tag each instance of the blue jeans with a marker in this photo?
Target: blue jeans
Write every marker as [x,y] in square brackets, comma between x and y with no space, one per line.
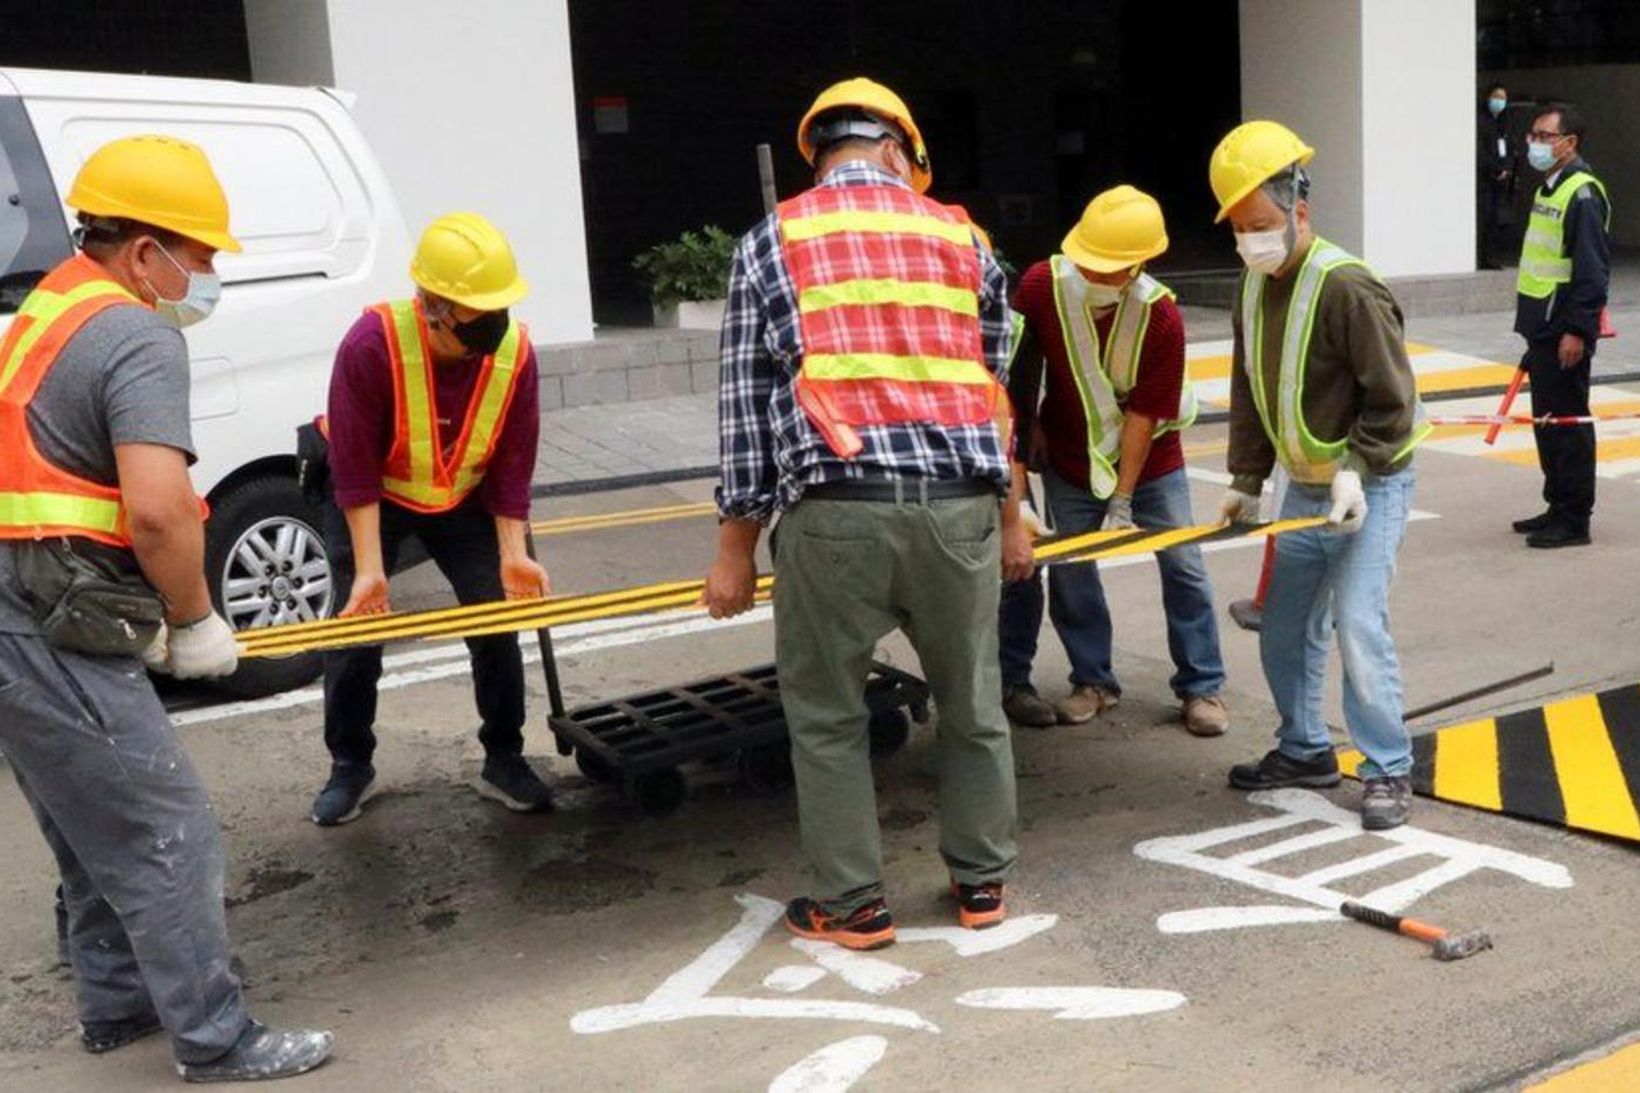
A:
[1076,598]
[1324,581]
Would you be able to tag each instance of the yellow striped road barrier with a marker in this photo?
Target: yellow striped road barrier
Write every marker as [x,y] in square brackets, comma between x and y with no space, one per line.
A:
[1574,762]
[512,616]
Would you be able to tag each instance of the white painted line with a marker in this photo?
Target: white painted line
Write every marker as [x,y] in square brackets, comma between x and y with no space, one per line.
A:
[1074,1003]
[1205,919]
[859,971]
[832,1069]
[791,978]
[1295,845]
[979,942]
[1365,864]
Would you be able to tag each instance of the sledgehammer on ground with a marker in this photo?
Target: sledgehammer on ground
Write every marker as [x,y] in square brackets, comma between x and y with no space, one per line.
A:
[1447,945]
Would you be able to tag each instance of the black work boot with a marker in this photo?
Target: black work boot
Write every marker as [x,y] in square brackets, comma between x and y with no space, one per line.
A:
[263,1054]
[1277,770]
[1025,707]
[1559,533]
[1533,523]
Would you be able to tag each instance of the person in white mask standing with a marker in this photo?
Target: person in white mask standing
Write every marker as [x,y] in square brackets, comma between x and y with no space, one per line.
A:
[1320,382]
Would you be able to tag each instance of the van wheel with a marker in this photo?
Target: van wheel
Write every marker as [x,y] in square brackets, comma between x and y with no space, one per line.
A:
[266,564]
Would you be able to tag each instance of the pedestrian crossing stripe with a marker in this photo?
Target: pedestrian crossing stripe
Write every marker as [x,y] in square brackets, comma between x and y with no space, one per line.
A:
[1437,370]
[1617,451]
[1574,762]
[513,616]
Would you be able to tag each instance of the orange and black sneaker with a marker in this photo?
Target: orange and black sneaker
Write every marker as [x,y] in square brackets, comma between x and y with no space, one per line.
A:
[979,906]
[870,927]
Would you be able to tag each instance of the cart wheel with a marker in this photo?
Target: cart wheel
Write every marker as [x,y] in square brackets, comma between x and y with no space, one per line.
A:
[564,746]
[660,792]
[596,769]
[919,711]
[889,729]
[767,770]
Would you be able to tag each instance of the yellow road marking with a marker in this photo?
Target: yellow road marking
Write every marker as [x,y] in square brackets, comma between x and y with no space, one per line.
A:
[1208,368]
[1619,1070]
[595,521]
[1591,780]
[1459,379]
[1606,451]
[1466,764]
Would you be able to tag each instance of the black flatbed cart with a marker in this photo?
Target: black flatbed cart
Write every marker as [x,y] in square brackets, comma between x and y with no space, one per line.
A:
[640,741]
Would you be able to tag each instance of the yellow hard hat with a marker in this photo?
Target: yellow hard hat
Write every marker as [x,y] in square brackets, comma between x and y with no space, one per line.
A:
[156,180]
[465,258]
[1120,228]
[1250,155]
[871,96]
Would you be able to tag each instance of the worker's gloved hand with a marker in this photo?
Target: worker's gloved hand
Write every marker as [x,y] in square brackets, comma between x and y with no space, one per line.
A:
[154,657]
[1118,513]
[1238,507]
[1349,503]
[202,650]
[1033,521]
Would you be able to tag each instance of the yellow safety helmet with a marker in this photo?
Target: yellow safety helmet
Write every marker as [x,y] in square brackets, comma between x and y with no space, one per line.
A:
[1250,155]
[156,180]
[465,258]
[1120,228]
[873,97]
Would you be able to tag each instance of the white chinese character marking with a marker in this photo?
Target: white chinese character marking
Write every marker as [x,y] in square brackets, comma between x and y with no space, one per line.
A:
[1458,858]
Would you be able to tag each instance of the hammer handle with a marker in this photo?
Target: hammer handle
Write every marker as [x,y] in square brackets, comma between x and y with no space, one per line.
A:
[1411,927]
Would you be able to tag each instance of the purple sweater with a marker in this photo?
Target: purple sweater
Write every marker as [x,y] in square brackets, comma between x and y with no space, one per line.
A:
[361,422]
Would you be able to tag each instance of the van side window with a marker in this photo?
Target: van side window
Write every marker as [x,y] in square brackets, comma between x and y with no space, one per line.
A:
[33,232]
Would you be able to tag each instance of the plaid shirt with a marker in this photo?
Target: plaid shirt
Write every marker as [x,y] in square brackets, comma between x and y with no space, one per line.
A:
[769,451]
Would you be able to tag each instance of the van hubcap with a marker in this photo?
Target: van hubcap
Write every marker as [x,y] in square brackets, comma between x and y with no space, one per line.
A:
[277,572]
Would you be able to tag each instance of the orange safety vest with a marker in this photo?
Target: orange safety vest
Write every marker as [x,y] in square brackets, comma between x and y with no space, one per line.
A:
[888,289]
[37,498]
[418,473]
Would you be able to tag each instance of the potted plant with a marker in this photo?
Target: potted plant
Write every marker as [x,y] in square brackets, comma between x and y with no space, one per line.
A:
[688,278]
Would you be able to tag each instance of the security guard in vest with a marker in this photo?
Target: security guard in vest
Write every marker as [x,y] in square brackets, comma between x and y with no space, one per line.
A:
[1321,382]
[101,569]
[865,339]
[1113,343]
[433,422]
[1565,271]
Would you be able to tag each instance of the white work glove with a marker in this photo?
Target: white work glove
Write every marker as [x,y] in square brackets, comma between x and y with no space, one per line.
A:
[1238,507]
[1349,503]
[203,650]
[1118,513]
[1033,522]
[154,657]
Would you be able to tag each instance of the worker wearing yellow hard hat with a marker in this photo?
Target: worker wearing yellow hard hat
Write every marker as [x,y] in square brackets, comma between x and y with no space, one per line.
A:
[865,336]
[1106,341]
[432,428]
[102,573]
[1321,387]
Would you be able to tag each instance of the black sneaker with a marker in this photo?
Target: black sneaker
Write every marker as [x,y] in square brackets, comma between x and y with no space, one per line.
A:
[1385,802]
[102,1036]
[1276,770]
[979,906]
[1558,534]
[512,782]
[869,927]
[1023,706]
[1533,523]
[262,1054]
[350,786]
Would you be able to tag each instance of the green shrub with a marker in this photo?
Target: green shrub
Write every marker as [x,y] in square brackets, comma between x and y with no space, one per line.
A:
[695,266]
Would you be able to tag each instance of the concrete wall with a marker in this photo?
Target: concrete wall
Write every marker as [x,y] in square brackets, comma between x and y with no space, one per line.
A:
[468,106]
[1382,89]
[1604,94]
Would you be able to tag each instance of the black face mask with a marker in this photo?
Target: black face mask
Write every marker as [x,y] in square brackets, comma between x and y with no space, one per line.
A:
[482,335]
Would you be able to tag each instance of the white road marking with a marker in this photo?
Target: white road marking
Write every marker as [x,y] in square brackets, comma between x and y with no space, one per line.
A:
[859,971]
[832,1069]
[979,942]
[1074,1003]
[791,978]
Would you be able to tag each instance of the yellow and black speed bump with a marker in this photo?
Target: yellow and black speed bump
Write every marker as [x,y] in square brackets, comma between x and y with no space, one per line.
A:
[1574,762]
[512,616]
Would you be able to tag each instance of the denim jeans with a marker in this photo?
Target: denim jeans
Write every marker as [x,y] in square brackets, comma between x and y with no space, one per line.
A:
[1076,598]
[1323,581]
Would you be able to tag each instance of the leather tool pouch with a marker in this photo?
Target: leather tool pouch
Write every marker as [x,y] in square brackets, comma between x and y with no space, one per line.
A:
[87,598]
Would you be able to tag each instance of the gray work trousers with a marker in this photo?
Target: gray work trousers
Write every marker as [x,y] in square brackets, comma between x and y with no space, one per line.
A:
[137,844]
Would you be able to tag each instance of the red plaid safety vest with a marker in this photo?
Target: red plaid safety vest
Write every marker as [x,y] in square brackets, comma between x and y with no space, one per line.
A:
[888,288]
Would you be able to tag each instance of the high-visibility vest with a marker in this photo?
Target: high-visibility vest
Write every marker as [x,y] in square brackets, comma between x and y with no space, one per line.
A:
[888,289]
[418,473]
[1105,374]
[38,498]
[1543,262]
[1307,458]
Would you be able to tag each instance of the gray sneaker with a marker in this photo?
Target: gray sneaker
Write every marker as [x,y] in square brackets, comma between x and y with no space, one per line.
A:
[263,1054]
[1385,802]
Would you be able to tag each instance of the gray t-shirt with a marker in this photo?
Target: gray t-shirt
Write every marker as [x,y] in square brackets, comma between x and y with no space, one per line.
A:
[121,379]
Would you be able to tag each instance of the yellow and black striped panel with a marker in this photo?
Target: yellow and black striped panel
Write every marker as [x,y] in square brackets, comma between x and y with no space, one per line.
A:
[1574,762]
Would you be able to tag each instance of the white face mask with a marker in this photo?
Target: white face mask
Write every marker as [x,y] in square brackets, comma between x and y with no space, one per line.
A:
[199,299]
[1101,296]
[1263,252]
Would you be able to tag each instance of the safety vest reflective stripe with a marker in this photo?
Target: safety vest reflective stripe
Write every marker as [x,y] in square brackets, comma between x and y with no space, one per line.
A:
[1543,262]
[886,366]
[876,291]
[867,221]
[60,513]
[39,311]
[418,475]
[1106,375]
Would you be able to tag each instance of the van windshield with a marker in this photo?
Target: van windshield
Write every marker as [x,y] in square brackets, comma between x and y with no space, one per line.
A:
[33,233]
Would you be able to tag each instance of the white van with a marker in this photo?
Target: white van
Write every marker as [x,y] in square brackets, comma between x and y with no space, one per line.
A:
[323,239]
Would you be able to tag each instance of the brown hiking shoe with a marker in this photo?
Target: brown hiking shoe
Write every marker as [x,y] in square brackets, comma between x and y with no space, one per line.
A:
[1083,704]
[1024,706]
[1205,715]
